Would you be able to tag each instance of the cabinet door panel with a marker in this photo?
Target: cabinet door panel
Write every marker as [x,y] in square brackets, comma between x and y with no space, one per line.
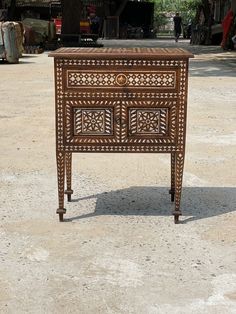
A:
[149,122]
[91,122]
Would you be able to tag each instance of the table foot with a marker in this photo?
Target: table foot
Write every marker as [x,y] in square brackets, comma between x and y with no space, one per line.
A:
[176,219]
[176,216]
[61,212]
[61,217]
[69,193]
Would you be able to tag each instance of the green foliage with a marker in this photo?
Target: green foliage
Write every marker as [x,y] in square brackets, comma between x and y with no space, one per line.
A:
[186,8]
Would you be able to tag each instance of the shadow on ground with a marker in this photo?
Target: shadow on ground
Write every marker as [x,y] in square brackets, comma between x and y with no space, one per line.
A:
[197,202]
[219,67]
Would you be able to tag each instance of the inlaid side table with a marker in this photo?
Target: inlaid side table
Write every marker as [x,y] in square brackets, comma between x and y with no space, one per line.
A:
[120,100]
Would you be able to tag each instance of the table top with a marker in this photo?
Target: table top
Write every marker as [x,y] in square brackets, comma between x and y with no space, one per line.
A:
[144,53]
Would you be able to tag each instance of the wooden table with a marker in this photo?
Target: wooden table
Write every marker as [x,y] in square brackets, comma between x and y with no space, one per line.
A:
[129,100]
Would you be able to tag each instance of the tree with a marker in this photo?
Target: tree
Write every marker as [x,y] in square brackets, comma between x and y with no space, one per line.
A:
[198,12]
[186,8]
[162,8]
[203,21]
[71,15]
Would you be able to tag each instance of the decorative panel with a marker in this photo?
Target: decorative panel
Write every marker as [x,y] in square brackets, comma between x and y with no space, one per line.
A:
[135,79]
[148,121]
[89,121]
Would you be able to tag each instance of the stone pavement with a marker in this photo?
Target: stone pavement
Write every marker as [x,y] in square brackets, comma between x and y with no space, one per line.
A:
[119,250]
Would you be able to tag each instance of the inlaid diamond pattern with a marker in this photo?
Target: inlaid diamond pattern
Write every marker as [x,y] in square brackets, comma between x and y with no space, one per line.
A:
[165,79]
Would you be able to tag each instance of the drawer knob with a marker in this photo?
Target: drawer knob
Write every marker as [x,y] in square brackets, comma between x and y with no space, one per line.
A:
[121,79]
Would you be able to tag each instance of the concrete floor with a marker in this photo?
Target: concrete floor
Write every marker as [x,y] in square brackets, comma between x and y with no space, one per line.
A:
[119,250]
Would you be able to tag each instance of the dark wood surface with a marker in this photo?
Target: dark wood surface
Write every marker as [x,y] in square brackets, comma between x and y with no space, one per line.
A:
[164,53]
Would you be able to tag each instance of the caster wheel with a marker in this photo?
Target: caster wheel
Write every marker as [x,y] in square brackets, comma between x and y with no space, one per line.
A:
[60,217]
[176,218]
[69,197]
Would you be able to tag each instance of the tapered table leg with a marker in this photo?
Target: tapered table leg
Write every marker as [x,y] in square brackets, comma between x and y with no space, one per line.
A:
[172,189]
[178,184]
[61,183]
[68,190]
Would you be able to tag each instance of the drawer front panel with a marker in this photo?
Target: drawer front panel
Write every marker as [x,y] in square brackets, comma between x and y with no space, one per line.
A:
[90,122]
[165,79]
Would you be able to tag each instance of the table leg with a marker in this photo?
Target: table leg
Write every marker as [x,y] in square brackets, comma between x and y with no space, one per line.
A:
[179,162]
[68,190]
[172,190]
[61,183]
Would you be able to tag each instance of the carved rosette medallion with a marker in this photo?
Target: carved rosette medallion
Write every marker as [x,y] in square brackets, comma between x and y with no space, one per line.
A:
[121,79]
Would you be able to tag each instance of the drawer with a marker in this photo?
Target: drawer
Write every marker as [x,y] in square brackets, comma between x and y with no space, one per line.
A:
[165,80]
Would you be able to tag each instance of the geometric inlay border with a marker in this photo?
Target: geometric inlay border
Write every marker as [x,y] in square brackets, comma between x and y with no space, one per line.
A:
[110,79]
